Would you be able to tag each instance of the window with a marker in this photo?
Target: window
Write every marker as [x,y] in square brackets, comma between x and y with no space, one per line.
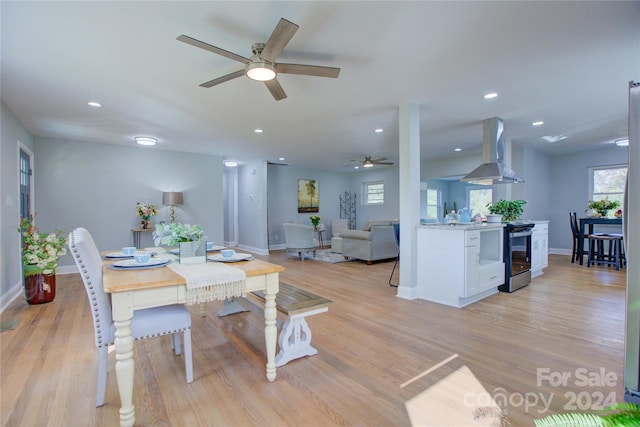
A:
[432,203]
[607,182]
[478,198]
[373,193]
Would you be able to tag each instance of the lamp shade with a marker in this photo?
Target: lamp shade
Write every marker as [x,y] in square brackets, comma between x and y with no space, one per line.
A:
[172,198]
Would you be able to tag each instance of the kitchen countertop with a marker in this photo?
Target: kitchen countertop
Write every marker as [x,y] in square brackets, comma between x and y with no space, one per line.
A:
[460,226]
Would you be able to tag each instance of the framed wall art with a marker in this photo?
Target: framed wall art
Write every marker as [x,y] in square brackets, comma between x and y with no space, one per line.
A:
[308,196]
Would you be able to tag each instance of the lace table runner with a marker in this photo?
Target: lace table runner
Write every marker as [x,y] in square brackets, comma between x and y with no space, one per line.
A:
[211,281]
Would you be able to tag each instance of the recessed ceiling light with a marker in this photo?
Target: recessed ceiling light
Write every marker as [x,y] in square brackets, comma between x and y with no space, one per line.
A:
[556,138]
[94,104]
[145,140]
[538,123]
[230,163]
[490,95]
[379,130]
[257,130]
[457,149]
[624,142]
[281,159]
[356,167]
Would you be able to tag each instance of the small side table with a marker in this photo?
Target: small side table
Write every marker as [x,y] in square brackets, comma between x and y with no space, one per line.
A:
[136,235]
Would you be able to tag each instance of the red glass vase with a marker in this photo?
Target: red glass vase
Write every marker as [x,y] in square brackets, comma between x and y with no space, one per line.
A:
[39,288]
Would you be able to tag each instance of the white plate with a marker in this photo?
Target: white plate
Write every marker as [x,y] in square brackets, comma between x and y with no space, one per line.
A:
[215,248]
[131,263]
[122,254]
[236,257]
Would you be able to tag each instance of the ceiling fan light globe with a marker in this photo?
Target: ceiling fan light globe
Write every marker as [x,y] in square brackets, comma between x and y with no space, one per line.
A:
[367,164]
[260,71]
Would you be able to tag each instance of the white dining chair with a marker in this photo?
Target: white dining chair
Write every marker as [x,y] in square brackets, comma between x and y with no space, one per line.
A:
[146,323]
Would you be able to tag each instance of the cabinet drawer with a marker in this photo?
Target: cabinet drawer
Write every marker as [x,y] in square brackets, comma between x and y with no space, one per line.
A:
[491,276]
[541,229]
[472,238]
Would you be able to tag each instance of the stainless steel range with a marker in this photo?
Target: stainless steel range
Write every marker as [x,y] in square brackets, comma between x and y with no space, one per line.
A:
[517,256]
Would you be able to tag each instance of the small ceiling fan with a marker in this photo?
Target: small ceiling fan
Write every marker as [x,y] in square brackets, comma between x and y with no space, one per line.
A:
[368,162]
[262,66]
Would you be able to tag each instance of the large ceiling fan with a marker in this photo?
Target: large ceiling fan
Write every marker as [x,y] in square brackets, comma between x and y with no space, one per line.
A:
[368,162]
[262,65]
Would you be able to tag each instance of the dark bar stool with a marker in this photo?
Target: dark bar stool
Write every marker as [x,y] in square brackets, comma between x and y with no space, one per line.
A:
[596,250]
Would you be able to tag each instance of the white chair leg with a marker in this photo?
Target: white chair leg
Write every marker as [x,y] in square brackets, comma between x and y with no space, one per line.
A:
[101,380]
[188,362]
[175,341]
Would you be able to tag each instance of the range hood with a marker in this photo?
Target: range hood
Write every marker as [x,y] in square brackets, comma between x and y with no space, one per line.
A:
[493,170]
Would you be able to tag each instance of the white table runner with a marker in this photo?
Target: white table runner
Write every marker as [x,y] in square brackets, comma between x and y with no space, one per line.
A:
[211,281]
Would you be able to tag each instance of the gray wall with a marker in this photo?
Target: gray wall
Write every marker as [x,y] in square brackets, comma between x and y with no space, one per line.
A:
[569,189]
[391,207]
[12,132]
[283,199]
[97,186]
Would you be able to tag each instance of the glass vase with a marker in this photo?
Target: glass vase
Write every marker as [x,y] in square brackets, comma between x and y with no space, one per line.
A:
[39,288]
[194,252]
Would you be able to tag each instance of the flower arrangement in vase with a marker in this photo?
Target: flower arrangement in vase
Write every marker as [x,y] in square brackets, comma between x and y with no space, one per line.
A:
[315,220]
[602,206]
[40,255]
[146,211]
[189,239]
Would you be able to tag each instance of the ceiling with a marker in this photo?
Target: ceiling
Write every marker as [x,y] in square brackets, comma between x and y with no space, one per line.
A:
[565,63]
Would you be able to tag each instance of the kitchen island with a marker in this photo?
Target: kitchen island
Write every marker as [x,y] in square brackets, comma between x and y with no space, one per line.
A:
[459,264]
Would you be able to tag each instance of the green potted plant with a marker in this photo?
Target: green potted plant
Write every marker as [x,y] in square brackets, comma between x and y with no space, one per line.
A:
[619,415]
[602,206]
[509,209]
[40,255]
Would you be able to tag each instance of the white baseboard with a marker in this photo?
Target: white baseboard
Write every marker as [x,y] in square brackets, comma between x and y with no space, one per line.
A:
[258,251]
[16,290]
[559,251]
[279,247]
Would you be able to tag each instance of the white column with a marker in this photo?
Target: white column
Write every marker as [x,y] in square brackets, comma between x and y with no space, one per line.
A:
[409,171]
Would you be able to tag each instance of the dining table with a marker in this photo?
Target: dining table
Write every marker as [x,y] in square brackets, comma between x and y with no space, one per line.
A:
[590,222]
[137,289]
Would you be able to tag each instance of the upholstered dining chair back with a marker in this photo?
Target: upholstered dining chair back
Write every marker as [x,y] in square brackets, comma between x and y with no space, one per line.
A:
[300,238]
[87,258]
[146,323]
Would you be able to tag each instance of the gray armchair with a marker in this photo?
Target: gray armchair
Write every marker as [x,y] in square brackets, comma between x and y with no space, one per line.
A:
[374,242]
[300,239]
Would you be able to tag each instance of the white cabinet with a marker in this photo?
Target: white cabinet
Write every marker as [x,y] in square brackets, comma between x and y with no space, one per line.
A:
[459,265]
[539,248]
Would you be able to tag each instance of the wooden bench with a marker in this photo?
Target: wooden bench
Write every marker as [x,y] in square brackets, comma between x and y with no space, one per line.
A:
[295,337]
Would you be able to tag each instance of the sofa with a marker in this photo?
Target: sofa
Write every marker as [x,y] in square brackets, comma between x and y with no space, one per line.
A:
[374,242]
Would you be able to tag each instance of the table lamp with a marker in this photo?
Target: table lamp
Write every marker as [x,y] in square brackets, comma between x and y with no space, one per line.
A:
[172,198]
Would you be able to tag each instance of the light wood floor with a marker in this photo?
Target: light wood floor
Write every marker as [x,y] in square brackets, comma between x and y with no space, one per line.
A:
[378,355]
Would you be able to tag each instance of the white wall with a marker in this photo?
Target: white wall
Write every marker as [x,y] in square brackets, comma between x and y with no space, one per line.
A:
[252,206]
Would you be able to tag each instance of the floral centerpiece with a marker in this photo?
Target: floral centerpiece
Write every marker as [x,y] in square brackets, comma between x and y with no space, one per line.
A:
[603,206]
[40,255]
[146,211]
[315,220]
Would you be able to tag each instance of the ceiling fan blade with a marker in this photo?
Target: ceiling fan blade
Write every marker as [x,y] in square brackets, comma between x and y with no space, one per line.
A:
[384,163]
[223,79]
[278,39]
[381,159]
[308,70]
[275,89]
[211,48]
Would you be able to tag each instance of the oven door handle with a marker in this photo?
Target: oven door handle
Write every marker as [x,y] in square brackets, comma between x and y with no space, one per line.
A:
[520,234]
